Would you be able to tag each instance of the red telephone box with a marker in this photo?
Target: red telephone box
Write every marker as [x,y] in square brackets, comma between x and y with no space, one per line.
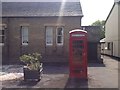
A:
[78,54]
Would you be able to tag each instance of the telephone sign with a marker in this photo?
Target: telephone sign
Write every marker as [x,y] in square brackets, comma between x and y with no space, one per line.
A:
[78,35]
[78,53]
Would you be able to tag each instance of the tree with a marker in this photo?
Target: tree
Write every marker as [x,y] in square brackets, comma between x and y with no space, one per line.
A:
[100,23]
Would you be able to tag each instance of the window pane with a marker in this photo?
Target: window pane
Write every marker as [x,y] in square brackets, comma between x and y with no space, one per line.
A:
[108,46]
[2,36]
[24,35]
[2,32]
[59,31]
[60,35]
[49,32]
[25,31]
[0,39]
[49,35]
[25,39]
[59,39]
[49,40]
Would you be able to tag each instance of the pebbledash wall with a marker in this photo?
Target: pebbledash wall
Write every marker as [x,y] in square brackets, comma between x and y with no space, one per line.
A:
[111,45]
[36,34]
[13,48]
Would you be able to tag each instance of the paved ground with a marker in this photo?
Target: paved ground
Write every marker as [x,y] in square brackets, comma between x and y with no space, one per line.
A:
[56,76]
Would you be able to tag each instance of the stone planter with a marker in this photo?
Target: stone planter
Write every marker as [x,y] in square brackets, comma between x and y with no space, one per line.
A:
[32,75]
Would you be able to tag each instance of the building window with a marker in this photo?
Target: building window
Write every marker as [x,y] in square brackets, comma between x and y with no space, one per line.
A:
[49,35]
[2,35]
[108,46]
[24,35]
[59,36]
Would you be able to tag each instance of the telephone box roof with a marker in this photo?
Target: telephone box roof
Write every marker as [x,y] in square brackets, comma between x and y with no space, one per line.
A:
[78,30]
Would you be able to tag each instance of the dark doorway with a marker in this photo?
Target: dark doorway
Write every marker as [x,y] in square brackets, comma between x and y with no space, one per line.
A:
[92,52]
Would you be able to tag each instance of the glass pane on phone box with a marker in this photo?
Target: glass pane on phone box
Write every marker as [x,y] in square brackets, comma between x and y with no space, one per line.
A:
[77,54]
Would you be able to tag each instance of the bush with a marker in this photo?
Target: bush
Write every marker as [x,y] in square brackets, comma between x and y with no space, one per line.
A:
[31,60]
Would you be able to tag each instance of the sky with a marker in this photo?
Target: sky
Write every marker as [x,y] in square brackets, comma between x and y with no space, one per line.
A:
[93,10]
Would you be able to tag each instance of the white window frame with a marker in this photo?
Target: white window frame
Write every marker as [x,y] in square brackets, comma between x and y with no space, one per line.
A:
[60,35]
[49,44]
[22,36]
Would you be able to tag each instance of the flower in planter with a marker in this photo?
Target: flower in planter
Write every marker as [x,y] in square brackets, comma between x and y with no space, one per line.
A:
[32,61]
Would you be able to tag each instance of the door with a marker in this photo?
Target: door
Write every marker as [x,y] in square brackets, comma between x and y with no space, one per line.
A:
[78,51]
[92,51]
[54,41]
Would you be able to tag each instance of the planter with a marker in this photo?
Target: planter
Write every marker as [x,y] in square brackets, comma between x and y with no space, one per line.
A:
[32,75]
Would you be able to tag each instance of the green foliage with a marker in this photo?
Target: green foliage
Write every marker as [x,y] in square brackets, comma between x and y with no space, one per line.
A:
[32,60]
[102,34]
[100,23]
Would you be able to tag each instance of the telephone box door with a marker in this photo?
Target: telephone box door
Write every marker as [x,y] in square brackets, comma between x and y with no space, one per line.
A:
[78,51]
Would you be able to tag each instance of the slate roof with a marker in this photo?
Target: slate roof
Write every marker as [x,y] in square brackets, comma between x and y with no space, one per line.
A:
[93,33]
[32,9]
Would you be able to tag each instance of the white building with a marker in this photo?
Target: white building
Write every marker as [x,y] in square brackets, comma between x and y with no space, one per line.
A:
[112,32]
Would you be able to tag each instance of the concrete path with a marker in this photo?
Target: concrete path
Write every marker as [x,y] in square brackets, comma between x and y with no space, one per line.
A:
[104,76]
[57,76]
